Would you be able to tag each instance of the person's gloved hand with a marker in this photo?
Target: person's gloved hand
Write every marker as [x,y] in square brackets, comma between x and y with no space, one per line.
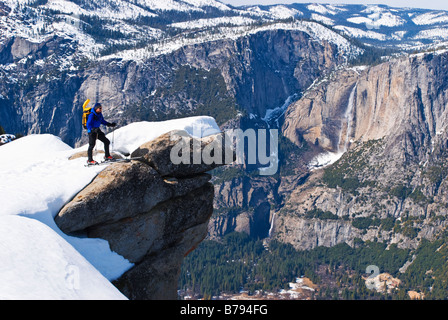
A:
[113,124]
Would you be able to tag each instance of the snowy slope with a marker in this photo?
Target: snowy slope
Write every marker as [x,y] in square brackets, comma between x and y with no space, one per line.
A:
[208,3]
[373,24]
[38,260]
[322,9]
[166,5]
[378,19]
[37,263]
[108,9]
[359,33]
[283,12]
[431,18]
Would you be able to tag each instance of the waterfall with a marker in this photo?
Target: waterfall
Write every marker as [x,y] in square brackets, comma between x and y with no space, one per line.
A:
[328,158]
[272,225]
[348,118]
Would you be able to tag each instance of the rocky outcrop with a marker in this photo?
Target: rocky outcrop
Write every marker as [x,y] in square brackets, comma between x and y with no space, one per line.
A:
[188,156]
[167,233]
[151,218]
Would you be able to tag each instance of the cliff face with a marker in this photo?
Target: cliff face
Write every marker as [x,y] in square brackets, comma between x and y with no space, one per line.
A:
[387,100]
[243,204]
[391,183]
[36,94]
[151,211]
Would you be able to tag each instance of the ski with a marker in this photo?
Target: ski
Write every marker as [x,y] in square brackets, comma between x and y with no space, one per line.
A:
[119,160]
[93,164]
[104,162]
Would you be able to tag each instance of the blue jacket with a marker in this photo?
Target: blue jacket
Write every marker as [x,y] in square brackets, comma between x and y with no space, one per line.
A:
[95,120]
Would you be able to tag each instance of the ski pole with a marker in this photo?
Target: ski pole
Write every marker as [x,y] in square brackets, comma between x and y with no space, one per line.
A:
[113,139]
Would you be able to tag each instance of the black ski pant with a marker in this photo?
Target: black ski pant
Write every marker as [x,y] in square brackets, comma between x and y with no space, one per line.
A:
[92,141]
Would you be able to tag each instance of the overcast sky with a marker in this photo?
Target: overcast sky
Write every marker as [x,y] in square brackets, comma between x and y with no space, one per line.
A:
[427,4]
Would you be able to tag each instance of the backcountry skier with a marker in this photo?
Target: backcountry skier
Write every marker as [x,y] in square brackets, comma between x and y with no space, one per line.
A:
[94,121]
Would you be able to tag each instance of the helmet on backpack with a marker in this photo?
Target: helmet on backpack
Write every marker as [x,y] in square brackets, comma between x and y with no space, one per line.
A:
[86,110]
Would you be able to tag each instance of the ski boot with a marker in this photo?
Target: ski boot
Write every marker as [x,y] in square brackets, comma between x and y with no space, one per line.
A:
[91,162]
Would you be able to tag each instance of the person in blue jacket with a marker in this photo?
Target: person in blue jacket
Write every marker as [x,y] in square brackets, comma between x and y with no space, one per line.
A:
[94,121]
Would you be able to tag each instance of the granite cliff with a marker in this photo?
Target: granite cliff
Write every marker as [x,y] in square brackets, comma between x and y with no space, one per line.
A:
[390,184]
[151,211]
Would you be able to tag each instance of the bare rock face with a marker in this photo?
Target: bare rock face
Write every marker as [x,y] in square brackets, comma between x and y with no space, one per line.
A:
[319,116]
[390,184]
[151,219]
[167,234]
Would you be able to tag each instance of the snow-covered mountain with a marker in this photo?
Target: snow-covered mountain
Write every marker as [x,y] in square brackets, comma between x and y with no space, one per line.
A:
[138,29]
[373,24]
[104,26]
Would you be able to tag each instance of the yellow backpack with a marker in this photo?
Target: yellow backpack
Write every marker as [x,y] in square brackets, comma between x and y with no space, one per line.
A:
[86,110]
